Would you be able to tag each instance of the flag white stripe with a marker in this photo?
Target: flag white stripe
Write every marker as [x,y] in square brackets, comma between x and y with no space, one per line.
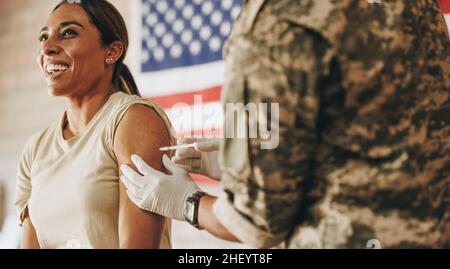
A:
[180,80]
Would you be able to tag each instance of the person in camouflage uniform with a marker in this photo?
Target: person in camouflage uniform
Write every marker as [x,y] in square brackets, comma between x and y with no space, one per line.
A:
[364,123]
[364,149]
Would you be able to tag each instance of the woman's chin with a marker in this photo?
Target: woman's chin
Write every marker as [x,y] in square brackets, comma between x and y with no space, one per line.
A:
[55,91]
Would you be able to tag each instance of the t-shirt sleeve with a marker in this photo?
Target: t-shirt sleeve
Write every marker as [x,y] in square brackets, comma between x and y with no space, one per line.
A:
[23,181]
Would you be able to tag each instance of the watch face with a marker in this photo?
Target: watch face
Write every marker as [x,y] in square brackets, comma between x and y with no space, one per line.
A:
[189,213]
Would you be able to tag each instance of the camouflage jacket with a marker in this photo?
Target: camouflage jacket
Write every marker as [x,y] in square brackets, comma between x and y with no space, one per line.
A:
[364,121]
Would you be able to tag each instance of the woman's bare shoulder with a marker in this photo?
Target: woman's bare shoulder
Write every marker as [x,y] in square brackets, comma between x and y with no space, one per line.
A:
[141,131]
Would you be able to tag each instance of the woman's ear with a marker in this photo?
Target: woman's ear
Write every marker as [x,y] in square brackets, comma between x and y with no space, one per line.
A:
[113,52]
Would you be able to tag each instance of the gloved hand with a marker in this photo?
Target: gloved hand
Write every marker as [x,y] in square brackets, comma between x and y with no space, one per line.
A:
[157,192]
[203,159]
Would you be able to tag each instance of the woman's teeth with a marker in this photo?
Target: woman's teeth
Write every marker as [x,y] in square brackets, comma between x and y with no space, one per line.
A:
[53,68]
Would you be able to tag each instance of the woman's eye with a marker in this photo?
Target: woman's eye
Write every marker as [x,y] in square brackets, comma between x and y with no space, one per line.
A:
[43,37]
[68,33]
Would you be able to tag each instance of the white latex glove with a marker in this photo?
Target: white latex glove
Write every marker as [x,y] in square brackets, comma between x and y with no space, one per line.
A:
[157,192]
[203,159]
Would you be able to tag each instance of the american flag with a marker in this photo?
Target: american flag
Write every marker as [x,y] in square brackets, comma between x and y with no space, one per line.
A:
[181,57]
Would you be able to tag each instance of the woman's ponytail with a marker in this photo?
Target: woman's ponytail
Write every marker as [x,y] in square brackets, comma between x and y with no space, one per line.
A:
[123,80]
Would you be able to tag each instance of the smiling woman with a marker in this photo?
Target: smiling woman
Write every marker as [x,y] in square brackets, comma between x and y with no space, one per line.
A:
[68,192]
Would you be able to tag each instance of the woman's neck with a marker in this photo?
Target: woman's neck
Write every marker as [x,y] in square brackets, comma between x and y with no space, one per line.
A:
[81,109]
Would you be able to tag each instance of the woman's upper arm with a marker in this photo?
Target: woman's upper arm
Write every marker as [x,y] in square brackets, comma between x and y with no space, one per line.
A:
[21,198]
[141,131]
[23,181]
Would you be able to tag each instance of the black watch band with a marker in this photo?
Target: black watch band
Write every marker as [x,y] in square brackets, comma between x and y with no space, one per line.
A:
[192,208]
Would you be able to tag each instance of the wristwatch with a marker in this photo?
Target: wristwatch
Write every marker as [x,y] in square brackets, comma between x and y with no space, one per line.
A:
[191,208]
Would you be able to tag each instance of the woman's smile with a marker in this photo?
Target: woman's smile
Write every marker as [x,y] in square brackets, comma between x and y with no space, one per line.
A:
[54,70]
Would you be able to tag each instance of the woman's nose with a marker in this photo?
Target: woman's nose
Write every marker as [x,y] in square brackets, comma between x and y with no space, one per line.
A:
[50,47]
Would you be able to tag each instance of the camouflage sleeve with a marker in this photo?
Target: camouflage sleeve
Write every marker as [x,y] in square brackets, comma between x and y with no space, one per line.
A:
[263,189]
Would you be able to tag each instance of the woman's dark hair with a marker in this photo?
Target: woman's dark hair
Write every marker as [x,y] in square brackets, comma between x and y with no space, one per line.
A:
[112,28]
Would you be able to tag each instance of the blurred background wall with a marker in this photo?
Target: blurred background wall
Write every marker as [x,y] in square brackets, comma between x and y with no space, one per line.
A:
[25,106]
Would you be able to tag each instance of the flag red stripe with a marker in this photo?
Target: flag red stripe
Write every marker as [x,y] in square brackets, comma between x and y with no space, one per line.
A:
[208,95]
[445,5]
[204,180]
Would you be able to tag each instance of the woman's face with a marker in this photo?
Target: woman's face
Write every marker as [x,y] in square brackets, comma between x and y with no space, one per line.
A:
[71,54]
